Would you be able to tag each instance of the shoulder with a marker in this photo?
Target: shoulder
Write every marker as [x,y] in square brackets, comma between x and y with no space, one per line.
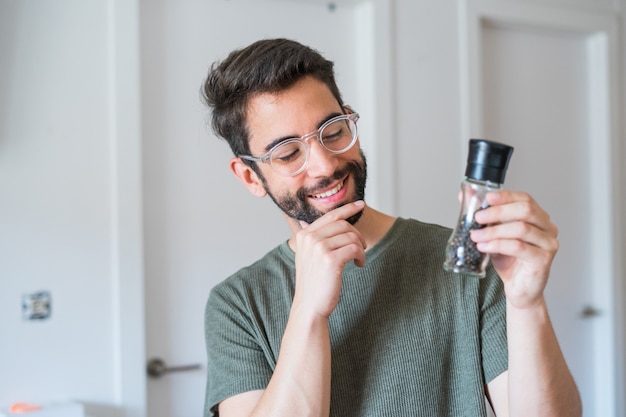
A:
[421,233]
[414,225]
[256,283]
[276,262]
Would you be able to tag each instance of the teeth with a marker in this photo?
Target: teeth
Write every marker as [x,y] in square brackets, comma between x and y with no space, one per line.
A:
[330,192]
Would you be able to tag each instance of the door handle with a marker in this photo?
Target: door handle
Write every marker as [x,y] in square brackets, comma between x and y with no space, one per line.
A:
[157,367]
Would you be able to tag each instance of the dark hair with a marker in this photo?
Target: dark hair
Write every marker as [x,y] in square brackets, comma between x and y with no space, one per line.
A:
[266,66]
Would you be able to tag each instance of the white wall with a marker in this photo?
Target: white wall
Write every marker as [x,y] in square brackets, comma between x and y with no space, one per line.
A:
[56,179]
[55,201]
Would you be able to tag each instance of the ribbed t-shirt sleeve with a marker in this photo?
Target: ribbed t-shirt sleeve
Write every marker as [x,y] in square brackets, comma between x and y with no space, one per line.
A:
[493,326]
[235,361]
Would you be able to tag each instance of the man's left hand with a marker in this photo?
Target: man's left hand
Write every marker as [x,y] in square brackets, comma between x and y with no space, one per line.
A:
[522,242]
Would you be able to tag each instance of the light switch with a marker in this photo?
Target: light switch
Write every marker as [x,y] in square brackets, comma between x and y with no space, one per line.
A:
[36,306]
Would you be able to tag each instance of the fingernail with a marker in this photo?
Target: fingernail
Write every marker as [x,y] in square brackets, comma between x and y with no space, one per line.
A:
[359,203]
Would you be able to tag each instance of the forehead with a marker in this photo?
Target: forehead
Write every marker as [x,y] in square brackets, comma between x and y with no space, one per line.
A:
[292,112]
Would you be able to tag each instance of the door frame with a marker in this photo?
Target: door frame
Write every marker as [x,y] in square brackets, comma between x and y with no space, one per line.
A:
[602,29]
[127,272]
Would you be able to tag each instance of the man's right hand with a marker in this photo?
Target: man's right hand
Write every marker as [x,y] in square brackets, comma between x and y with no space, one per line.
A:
[322,250]
[300,383]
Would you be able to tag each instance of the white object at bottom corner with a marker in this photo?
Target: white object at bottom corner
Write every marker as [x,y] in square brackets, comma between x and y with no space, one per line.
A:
[52,410]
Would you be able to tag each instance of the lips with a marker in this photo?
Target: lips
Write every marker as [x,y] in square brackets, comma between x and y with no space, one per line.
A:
[330,192]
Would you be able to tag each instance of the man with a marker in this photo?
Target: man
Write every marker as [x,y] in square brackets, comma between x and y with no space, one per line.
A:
[354,314]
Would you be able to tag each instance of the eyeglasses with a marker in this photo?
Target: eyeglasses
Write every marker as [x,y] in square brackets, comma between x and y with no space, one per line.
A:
[291,156]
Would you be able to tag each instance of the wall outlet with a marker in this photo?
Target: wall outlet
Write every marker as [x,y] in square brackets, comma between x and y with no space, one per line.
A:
[36,306]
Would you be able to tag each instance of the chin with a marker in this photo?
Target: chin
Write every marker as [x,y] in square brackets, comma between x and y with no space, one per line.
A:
[354,219]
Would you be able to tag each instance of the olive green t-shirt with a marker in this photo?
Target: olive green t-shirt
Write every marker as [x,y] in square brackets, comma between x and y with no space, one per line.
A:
[407,337]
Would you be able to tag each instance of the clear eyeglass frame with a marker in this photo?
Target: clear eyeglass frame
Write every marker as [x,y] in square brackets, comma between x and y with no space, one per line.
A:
[268,157]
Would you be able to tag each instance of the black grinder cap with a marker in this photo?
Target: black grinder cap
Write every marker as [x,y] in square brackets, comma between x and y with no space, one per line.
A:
[488,160]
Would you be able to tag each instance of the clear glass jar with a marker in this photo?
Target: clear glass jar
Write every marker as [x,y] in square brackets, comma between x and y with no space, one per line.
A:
[461,252]
[486,167]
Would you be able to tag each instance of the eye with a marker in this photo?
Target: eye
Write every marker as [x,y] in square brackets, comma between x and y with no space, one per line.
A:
[287,152]
[334,131]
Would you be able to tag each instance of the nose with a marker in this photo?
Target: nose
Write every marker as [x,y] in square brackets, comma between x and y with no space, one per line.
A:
[321,162]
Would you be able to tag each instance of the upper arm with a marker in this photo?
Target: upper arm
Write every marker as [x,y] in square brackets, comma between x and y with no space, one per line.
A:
[240,405]
[236,360]
[498,394]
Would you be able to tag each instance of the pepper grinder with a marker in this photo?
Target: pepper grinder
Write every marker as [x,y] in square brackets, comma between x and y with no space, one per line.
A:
[487,162]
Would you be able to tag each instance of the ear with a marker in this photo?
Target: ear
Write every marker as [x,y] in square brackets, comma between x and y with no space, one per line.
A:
[248,177]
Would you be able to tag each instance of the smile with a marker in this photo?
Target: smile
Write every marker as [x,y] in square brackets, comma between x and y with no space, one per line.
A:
[330,192]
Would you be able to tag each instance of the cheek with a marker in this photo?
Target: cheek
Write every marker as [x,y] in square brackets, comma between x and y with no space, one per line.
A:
[352,154]
[356,154]
[278,185]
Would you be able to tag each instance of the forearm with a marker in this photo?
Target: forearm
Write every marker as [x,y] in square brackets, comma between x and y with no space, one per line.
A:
[540,383]
[300,384]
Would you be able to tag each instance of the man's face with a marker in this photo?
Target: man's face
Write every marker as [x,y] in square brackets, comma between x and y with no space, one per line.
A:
[329,180]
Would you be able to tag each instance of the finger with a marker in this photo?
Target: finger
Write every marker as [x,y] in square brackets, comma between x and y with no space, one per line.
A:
[338,241]
[519,230]
[508,206]
[340,213]
[516,249]
[334,222]
[333,251]
[346,246]
[357,256]
[321,232]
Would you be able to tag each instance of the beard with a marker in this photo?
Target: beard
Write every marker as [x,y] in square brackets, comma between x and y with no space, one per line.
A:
[297,205]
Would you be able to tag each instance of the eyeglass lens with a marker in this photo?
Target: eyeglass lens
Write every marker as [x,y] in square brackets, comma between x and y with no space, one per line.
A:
[336,137]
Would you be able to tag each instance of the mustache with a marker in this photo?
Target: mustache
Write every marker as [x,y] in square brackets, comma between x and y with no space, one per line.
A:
[325,182]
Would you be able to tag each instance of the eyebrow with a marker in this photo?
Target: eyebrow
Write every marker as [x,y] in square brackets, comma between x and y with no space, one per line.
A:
[275,142]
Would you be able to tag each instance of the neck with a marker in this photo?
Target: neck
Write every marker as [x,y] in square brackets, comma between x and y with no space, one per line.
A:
[373,225]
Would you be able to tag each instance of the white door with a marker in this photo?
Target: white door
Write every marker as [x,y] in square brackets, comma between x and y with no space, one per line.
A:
[535,100]
[543,87]
[200,224]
